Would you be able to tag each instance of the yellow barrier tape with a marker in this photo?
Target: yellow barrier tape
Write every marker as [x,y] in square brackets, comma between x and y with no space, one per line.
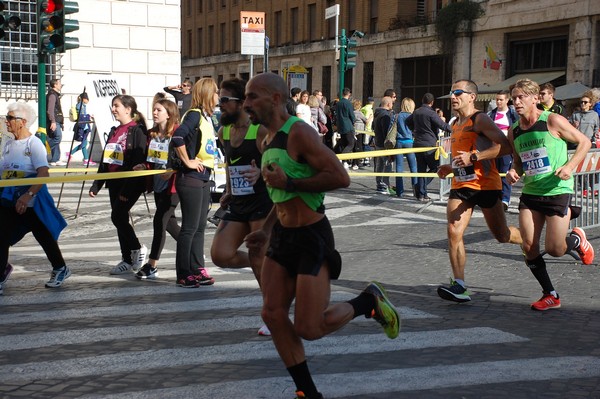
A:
[54,171]
[367,132]
[77,177]
[383,153]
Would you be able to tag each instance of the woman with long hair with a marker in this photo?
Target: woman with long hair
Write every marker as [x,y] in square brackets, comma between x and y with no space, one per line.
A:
[404,139]
[165,115]
[192,182]
[125,147]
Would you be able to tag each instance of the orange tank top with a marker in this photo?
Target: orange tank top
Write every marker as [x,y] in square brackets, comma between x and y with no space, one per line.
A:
[482,175]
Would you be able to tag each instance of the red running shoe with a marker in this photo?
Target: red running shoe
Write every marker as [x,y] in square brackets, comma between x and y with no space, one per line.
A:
[547,301]
[585,249]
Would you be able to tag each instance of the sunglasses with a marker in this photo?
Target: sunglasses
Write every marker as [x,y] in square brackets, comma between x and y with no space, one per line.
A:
[459,92]
[12,117]
[585,102]
[225,99]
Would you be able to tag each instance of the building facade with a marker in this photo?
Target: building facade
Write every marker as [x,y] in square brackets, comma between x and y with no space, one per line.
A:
[401,47]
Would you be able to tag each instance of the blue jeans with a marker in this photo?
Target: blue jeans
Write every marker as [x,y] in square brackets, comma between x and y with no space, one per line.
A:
[54,143]
[412,165]
[83,147]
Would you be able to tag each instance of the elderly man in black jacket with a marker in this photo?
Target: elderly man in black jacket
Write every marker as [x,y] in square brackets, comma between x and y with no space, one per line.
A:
[383,117]
[425,124]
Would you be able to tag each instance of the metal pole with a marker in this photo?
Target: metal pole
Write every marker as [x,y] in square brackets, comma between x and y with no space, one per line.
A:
[342,68]
[41,69]
[251,66]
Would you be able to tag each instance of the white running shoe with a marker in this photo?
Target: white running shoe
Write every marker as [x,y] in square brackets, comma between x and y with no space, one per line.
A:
[121,268]
[264,331]
[138,258]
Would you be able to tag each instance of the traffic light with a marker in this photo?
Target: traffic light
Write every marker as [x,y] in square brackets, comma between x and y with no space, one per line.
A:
[350,61]
[7,21]
[52,26]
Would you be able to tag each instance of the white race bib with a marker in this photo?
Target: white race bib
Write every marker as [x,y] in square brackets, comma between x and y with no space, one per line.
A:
[535,162]
[239,184]
[158,152]
[463,174]
[113,154]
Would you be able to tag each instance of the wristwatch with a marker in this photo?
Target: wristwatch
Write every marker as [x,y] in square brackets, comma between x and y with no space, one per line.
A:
[31,193]
[474,158]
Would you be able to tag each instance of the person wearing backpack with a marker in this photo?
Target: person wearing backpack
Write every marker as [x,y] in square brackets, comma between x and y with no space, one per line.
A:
[82,129]
[195,144]
[125,147]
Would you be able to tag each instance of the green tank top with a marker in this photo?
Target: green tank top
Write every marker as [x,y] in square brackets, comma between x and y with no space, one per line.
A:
[276,152]
[541,154]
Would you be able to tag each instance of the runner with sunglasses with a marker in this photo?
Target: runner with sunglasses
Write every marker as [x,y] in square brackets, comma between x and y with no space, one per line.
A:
[476,143]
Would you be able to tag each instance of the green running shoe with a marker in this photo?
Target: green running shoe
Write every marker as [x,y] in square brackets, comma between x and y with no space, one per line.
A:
[455,292]
[384,313]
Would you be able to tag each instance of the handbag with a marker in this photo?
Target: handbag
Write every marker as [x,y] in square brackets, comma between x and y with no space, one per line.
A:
[390,137]
[322,127]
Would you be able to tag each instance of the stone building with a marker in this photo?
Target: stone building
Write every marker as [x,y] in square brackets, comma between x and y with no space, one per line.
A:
[557,41]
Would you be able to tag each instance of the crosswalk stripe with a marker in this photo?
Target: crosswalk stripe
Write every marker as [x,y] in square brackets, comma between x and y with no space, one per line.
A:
[388,381]
[330,345]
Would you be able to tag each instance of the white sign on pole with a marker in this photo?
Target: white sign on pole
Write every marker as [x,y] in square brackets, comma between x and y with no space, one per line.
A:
[332,11]
[252,25]
[101,89]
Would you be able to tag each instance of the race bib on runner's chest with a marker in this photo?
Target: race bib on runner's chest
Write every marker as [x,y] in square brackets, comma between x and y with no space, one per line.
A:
[535,162]
[463,174]
[158,153]
[239,184]
[113,154]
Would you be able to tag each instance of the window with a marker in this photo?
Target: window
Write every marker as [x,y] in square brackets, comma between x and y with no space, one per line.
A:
[211,5]
[373,15]
[331,22]
[422,75]
[326,83]
[211,40]
[223,38]
[537,54]
[309,86]
[367,89]
[199,41]
[350,15]
[200,6]
[312,23]
[190,53]
[235,35]
[294,25]
[223,3]
[278,33]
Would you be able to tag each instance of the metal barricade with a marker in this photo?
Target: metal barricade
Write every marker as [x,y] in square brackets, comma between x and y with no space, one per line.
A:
[587,178]
[445,184]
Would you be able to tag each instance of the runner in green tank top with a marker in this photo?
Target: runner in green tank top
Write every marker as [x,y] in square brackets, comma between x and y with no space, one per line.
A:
[540,152]
[301,259]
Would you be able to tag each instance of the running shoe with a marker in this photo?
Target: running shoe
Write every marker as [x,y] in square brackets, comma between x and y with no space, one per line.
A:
[121,268]
[455,292]
[58,276]
[301,395]
[7,271]
[189,282]
[138,258]
[264,331]
[384,313]
[547,301]
[147,272]
[584,249]
[204,278]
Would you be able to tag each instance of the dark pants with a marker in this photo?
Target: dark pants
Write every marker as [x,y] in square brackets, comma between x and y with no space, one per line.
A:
[346,144]
[382,165]
[10,217]
[120,217]
[503,165]
[164,221]
[194,197]
[54,143]
[426,162]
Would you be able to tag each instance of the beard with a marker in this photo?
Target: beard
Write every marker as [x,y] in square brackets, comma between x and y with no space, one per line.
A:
[229,119]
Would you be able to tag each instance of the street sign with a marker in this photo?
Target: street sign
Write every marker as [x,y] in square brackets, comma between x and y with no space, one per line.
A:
[252,25]
[332,11]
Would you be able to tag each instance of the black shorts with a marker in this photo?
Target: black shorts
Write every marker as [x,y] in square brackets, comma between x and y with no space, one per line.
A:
[302,250]
[549,205]
[255,207]
[482,198]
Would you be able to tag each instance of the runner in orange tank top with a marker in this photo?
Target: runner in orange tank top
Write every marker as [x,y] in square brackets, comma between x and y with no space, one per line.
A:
[476,142]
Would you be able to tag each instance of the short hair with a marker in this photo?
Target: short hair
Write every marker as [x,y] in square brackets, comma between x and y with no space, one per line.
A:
[316,92]
[547,86]
[389,93]
[186,81]
[84,96]
[428,98]
[504,93]
[53,82]
[23,110]
[346,91]
[527,86]
[356,103]
[407,105]
[236,86]
[387,100]
[295,91]
[471,86]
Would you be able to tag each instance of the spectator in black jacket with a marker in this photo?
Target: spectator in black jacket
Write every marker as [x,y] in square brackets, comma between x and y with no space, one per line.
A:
[425,124]
[547,101]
